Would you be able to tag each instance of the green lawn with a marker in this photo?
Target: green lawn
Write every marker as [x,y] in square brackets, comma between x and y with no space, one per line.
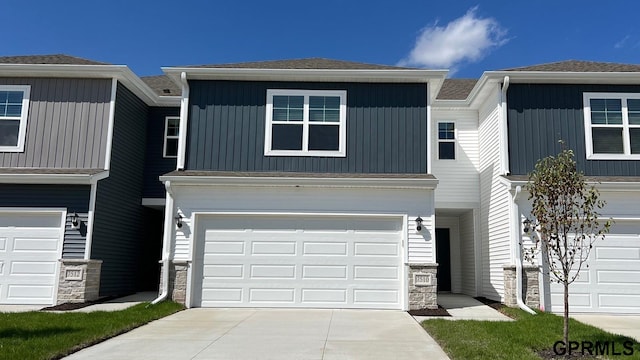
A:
[47,335]
[519,339]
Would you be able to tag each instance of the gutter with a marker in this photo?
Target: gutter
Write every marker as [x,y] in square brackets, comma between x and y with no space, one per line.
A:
[184,113]
[504,147]
[166,241]
[515,235]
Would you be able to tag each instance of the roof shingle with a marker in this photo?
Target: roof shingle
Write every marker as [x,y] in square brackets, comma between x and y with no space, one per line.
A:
[48,59]
[162,85]
[309,63]
[579,66]
[456,89]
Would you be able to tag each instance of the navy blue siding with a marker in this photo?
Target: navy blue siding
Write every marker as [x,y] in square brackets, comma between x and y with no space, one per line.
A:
[155,164]
[119,221]
[74,198]
[386,128]
[539,115]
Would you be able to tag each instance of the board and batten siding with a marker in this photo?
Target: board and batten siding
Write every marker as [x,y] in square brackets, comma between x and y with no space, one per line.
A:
[304,200]
[386,128]
[467,253]
[67,123]
[459,179]
[118,224]
[155,163]
[494,199]
[542,114]
[73,198]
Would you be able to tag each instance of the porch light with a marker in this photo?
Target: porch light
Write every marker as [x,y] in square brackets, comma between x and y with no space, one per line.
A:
[178,221]
[75,221]
[527,226]
[418,223]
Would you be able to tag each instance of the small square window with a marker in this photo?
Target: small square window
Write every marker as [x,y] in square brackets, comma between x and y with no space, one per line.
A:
[14,105]
[171,136]
[446,141]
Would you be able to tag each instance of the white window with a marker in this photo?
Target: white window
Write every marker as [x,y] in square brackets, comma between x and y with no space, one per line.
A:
[171,134]
[306,123]
[446,141]
[612,126]
[14,106]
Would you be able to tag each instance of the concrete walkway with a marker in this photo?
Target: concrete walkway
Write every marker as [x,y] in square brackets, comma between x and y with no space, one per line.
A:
[200,334]
[627,325]
[464,307]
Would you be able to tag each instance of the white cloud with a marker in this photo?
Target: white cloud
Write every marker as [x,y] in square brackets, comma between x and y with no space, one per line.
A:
[620,44]
[466,39]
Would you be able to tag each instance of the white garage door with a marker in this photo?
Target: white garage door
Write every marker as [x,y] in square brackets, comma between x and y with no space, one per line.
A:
[29,250]
[303,261]
[611,284]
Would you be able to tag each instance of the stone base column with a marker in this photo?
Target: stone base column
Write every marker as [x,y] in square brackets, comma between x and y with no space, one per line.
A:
[530,286]
[423,286]
[177,281]
[79,280]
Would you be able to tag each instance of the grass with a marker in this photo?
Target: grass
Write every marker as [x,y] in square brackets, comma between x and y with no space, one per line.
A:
[520,339]
[46,335]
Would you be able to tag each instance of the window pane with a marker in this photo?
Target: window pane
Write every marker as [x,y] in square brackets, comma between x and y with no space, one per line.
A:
[324,137]
[606,111]
[286,137]
[633,106]
[324,108]
[173,126]
[172,147]
[607,140]
[446,131]
[9,132]
[14,97]
[288,108]
[446,150]
[634,136]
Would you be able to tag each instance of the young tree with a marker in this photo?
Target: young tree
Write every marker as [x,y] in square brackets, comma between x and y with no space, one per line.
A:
[565,221]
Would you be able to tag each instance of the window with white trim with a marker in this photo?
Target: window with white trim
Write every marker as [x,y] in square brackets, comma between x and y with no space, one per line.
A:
[446,141]
[306,123]
[171,135]
[14,106]
[612,126]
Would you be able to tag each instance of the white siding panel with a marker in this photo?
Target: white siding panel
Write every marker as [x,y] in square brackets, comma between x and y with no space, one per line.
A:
[494,198]
[467,254]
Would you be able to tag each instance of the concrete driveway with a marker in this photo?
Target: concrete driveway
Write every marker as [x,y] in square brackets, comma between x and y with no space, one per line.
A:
[272,334]
[627,325]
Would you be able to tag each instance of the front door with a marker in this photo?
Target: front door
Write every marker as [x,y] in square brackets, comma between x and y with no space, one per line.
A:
[443,258]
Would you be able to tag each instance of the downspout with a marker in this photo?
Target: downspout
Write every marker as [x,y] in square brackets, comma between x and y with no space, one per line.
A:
[184,113]
[504,139]
[515,235]
[166,241]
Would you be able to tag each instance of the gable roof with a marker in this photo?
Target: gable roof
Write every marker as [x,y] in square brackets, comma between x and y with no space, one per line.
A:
[162,85]
[579,66]
[456,89]
[307,63]
[48,59]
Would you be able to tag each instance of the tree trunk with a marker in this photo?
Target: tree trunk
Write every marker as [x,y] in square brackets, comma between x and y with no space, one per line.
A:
[565,331]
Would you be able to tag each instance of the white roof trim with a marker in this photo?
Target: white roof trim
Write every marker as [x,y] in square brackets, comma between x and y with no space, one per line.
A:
[391,183]
[610,186]
[69,179]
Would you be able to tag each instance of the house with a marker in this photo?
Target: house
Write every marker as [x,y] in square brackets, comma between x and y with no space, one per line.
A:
[72,160]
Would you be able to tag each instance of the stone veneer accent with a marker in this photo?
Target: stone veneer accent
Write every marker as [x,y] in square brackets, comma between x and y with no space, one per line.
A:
[79,280]
[530,286]
[423,295]
[177,281]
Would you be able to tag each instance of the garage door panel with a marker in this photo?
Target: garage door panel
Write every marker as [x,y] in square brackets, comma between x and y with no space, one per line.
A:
[224,248]
[331,272]
[618,277]
[221,295]
[273,248]
[275,272]
[230,271]
[320,296]
[375,249]
[375,296]
[3,244]
[33,268]
[31,293]
[34,244]
[376,272]
[325,248]
[604,253]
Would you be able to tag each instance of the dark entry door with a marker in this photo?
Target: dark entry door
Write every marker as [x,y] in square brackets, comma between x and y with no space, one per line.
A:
[443,258]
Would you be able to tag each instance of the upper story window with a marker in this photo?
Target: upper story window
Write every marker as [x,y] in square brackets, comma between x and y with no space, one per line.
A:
[14,105]
[612,125]
[306,123]
[171,134]
[446,141]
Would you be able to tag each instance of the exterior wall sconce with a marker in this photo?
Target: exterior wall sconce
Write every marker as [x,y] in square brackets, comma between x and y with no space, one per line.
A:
[178,221]
[418,223]
[526,226]
[75,221]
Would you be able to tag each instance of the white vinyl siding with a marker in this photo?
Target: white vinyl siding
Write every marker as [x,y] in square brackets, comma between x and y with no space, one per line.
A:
[467,254]
[495,206]
[458,180]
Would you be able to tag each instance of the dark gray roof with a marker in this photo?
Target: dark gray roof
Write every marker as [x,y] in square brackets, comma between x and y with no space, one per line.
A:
[580,66]
[600,179]
[48,59]
[297,175]
[162,85]
[456,89]
[309,63]
[49,171]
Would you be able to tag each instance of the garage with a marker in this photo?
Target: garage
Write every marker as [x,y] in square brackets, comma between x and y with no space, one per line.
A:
[29,251]
[611,283]
[309,261]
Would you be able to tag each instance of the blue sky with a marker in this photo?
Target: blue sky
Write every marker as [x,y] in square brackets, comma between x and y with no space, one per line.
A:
[468,37]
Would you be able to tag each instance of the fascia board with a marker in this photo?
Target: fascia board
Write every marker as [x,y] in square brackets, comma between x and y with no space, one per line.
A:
[406,183]
[610,186]
[69,179]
